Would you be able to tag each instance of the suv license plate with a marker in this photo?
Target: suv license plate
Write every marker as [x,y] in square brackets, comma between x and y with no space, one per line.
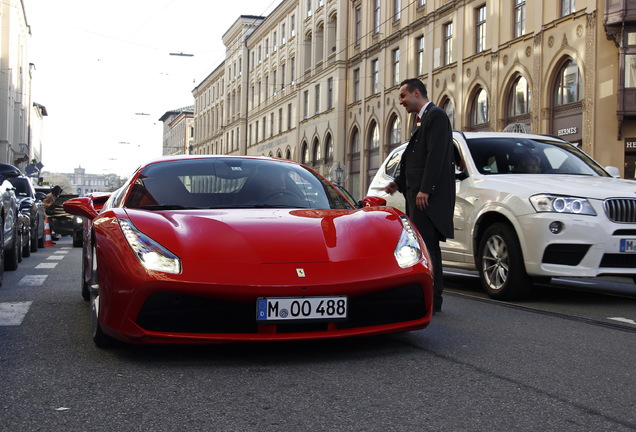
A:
[628,245]
[301,308]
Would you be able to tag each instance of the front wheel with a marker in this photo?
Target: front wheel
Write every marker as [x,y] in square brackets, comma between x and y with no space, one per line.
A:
[101,339]
[500,263]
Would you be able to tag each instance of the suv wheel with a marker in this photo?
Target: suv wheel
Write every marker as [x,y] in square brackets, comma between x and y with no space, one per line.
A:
[500,264]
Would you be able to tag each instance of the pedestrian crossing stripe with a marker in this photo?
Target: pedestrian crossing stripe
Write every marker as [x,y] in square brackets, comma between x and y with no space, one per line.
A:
[12,314]
[49,265]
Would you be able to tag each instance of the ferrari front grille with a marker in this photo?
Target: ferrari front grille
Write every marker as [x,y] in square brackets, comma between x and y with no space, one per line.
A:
[168,312]
[620,210]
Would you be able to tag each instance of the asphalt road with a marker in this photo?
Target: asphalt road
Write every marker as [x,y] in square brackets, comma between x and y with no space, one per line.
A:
[480,366]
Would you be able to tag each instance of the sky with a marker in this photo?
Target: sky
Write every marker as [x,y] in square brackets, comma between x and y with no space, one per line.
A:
[104,72]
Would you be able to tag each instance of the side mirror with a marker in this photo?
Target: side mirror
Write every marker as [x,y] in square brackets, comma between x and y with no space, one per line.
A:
[373,201]
[613,171]
[82,206]
[8,171]
[461,175]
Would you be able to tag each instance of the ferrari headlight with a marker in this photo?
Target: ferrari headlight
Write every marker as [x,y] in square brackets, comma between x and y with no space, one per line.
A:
[408,251]
[150,254]
[561,204]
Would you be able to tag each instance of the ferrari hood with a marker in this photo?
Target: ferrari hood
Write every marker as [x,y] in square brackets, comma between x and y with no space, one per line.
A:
[272,235]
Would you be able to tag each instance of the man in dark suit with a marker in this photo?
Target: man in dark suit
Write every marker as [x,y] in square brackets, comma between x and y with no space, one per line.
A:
[427,176]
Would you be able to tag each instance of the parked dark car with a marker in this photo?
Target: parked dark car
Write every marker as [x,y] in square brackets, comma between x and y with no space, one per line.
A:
[31,204]
[10,253]
[61,222]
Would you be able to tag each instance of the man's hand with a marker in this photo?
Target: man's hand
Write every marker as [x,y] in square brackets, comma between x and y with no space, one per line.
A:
[391,188]
[421,201]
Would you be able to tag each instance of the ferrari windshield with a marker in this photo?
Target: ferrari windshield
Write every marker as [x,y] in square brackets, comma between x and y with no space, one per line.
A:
[530,156]
[231,183]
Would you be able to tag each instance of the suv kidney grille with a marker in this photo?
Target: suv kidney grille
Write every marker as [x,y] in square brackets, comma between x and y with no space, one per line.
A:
[622,210]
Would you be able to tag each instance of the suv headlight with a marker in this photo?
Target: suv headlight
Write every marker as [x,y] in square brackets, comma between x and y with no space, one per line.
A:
[150,254]
[408,251]
[561,204]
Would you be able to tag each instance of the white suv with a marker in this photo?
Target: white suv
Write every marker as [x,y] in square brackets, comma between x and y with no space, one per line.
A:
[532,207]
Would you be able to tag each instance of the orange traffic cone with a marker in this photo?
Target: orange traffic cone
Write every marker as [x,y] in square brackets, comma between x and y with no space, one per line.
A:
[48,241]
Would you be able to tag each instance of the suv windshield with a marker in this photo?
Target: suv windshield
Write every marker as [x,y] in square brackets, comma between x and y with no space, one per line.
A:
[513,155]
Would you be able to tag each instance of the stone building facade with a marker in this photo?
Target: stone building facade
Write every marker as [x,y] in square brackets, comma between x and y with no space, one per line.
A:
[317,81]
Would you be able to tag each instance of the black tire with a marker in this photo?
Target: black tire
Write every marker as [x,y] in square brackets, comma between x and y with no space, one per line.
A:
[34,236]
[1,251]
[26,246]
[101,339]
[18,245]
[500,264]
[11,256]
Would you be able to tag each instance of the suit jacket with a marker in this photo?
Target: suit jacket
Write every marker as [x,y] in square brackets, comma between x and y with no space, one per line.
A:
[427,165]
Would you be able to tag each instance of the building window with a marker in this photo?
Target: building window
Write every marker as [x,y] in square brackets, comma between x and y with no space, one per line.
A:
[356,85]
[568,7]
[395,132]
[289,116]
[274,42]
[292,72]
[330,93]
[317,99]
[421,3]
[419,61]
[448,43]
[519,99]
[308,8]
[376,17]
[304,158]
[256,132]
[375,73]
[271,125]
[520,18]
[397,9]
[316,156]
[355,142]
[569,87]
[358,25]
[328,149]
[280,120]
[395,54]
[305,104]
[374,136]
[480,29]
[282,34]
[449,109]
[282,76]
[480,108]
[292,30]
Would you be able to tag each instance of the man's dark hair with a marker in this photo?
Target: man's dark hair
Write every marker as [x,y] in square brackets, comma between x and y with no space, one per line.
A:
[413,84]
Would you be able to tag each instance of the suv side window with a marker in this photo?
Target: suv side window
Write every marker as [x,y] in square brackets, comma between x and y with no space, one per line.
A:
[393,165]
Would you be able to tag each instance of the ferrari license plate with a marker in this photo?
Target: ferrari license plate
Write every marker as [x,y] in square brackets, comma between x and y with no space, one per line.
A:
[628,245]
[301,308]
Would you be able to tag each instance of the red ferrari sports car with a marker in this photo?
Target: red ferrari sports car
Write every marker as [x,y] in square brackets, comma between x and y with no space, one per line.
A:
[201,249]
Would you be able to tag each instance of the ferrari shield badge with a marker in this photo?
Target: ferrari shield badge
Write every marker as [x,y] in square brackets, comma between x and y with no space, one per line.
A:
[300,272]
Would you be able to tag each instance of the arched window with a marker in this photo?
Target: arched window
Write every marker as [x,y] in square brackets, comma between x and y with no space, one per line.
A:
[328,149]
[569,88]
[449,109]
[305,153]
[519,98]
[395,132]
[374,136]
[479,111]
[355,141]
[288,154]
[316,154]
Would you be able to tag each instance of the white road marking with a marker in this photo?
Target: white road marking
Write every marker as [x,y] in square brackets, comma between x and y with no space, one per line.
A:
[60,252]
[55,257]
[33,280]
[12,314]
[46,265]
[624,320]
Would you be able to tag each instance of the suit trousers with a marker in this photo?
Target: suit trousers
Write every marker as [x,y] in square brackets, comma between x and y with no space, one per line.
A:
[432,238]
